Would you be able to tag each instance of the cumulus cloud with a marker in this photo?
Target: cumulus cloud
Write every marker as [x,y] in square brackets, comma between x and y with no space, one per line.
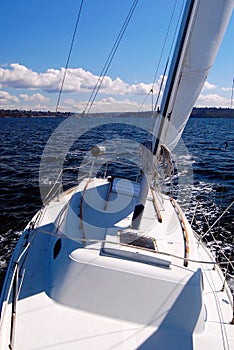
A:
[77,80]
[5,97]
[109,104]
[212,100]
[209,86]
[226,89]
[19,76]
[34,98]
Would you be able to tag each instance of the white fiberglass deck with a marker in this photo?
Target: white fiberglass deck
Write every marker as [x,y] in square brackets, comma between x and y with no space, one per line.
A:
[110,295]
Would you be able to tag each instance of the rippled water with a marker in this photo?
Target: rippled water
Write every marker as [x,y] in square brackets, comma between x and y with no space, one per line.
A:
[204,162]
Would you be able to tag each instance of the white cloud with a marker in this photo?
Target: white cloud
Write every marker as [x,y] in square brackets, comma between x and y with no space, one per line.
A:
[109,104]
[212,100]
[209,86]
[19,76]
[34,98]
[77,80]
[226,88]
[5,97]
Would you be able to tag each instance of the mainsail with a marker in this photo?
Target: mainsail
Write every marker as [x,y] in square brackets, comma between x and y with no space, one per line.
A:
[198,41]
[200,35]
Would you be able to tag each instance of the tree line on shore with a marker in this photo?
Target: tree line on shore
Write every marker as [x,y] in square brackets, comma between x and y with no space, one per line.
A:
[196,113]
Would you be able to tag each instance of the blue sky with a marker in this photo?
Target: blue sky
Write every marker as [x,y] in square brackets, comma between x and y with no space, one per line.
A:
[35,37]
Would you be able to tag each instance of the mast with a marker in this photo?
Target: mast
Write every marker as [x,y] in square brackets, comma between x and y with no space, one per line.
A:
[202,29]
[177,58]
[199,38]
[174,73]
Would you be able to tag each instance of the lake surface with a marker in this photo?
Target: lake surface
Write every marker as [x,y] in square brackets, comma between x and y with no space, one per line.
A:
[203,181]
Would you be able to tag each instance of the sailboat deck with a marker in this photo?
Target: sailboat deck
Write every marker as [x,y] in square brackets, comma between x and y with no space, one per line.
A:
[92,297]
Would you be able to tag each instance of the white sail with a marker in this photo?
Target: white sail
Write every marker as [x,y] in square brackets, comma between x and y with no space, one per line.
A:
[200,36]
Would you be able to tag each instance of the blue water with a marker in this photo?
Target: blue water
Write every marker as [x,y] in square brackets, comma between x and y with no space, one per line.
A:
[207,187]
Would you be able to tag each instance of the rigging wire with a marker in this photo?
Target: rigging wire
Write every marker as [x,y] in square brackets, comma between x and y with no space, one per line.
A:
[164,45]
[161,56]
[145,99]
[110,59]
[232,93]
[169,55]
[224,179]
[224,212]
[69,54]
[95,240]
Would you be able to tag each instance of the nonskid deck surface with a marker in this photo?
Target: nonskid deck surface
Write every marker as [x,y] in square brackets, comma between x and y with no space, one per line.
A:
[111,293]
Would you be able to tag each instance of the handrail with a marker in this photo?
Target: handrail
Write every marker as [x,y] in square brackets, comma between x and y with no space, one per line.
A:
[81,211]
[156,206]
[14,288]
[13,309]
[185,231]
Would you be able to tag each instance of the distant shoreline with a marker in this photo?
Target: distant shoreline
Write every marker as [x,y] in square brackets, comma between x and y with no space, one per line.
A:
[196,113]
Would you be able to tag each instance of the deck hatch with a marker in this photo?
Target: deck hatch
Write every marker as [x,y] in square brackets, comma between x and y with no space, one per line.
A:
[135,240]
[121,248]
